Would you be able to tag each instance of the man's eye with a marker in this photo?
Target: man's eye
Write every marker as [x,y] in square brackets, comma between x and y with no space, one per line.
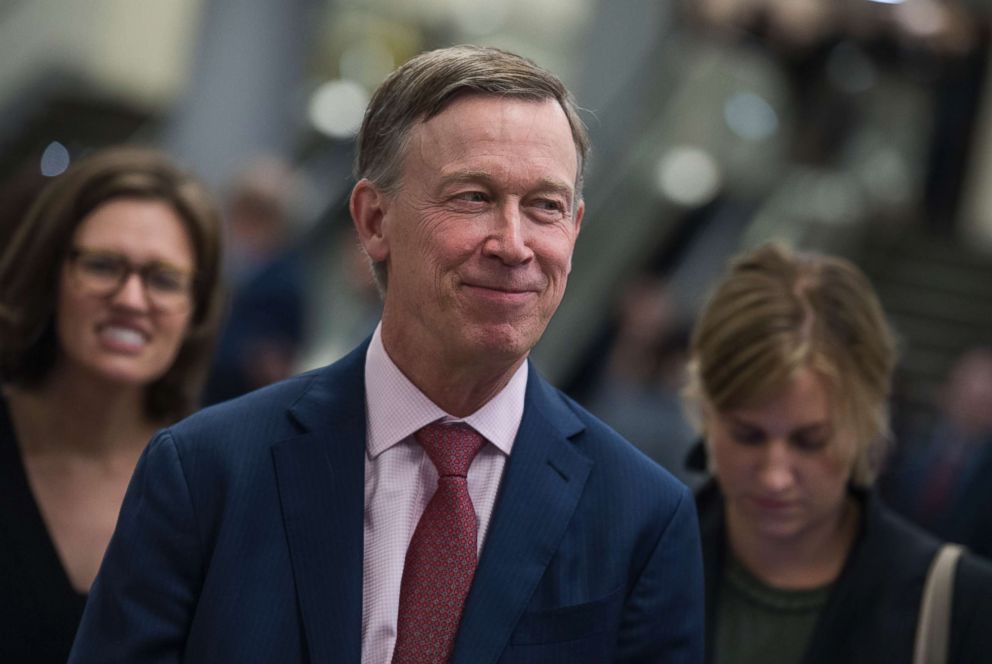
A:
[472,197]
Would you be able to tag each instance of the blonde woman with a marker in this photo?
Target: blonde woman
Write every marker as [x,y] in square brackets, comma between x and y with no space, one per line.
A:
[791,363]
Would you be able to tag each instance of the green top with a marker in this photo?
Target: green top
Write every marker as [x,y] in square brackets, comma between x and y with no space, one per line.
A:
[759,624]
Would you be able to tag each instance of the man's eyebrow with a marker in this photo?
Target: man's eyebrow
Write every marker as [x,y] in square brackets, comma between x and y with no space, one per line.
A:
[471,175]
[466,175]
[555,187]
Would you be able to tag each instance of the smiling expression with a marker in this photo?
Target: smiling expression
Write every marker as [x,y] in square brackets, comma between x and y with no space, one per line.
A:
[121,338]
[783,465]
[478,238]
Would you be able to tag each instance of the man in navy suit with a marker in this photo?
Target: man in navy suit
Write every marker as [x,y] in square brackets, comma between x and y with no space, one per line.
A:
[300,523]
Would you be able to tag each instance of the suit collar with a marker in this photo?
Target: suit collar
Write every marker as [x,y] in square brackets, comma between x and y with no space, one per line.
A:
[330,385]
[320,476]
[543,482]
[397,408]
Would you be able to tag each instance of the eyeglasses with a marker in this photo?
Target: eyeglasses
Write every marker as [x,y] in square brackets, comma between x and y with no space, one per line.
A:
[104,273]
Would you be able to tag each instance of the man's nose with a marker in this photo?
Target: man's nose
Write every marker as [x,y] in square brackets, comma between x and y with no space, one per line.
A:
[508,239]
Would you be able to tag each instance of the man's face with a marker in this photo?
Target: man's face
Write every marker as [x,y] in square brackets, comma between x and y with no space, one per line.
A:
[478,237]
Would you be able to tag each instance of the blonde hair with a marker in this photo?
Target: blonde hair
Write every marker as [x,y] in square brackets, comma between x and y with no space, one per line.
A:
[777,311]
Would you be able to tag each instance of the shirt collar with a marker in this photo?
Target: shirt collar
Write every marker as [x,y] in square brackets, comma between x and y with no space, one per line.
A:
[396,408]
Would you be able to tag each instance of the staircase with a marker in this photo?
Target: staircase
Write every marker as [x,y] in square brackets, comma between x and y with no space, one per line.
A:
[937,293]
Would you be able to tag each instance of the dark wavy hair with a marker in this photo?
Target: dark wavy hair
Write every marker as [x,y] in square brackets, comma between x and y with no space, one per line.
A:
[31,264]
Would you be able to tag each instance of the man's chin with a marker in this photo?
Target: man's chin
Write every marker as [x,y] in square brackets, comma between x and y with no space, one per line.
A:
[500,343]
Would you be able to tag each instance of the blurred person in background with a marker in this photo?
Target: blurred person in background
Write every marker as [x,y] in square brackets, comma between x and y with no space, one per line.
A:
[790,371]
[344,298]
[637,391]
[17,193]
[108,303]
[264,328]
[944,481]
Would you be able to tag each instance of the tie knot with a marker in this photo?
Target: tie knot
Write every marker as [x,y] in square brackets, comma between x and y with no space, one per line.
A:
[451,447]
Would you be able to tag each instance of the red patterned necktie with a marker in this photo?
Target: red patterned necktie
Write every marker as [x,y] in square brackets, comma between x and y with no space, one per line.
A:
[440,562]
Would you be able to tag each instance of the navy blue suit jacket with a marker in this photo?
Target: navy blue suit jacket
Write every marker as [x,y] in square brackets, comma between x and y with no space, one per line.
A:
[240,540]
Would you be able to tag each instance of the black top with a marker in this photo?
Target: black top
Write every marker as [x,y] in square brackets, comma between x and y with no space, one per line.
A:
[872,610]
[39,608]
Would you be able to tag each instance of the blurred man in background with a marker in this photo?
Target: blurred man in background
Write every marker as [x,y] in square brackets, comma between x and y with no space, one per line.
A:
[943,480]
[265,325]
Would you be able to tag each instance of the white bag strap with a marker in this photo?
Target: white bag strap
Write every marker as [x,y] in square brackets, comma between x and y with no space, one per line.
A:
[933,629]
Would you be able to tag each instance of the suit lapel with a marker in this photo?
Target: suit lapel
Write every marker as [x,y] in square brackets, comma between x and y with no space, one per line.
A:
[543,481]
[320,475]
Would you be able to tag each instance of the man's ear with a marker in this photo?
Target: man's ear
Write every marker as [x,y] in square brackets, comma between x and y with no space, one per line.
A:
[368,207]
[580,212]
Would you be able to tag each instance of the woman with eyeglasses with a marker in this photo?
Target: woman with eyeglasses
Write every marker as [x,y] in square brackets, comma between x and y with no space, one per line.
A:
[109,298]
[791,362]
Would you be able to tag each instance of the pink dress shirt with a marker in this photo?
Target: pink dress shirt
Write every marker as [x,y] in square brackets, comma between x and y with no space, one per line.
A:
[400,480]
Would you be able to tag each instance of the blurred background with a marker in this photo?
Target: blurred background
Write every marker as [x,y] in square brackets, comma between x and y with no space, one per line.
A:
[860,127]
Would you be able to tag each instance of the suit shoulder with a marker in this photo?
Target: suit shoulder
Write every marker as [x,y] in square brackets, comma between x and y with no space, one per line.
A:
[618,456]
[604,436]
[257,415]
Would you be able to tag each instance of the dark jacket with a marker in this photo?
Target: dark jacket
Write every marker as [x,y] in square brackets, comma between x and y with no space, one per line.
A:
[871,614]
[240,540]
